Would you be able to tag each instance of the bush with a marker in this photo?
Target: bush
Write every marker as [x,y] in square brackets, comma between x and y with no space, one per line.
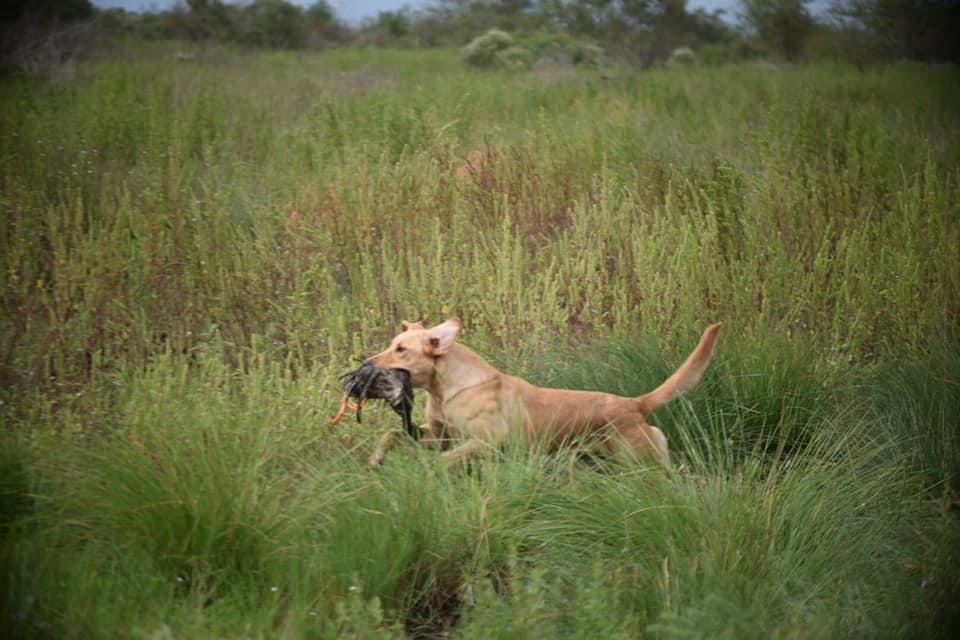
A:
[47,50]
[828,42]
[728,52]
[516,58]
[559,46]
[482,51]
[681,56]
[498,49]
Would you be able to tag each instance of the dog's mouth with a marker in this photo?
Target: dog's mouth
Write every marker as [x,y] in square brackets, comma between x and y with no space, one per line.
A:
[401,370]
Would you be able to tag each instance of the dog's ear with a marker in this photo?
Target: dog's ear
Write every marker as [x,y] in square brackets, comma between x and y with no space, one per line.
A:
[440,338]
[408,326]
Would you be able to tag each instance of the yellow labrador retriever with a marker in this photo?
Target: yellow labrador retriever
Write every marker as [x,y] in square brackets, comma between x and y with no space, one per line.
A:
[472,401]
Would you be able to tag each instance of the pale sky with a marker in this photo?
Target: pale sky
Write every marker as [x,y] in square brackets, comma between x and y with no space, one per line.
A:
[353,11]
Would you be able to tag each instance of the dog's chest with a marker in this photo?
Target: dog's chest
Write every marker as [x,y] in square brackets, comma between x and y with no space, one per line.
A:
[482,413]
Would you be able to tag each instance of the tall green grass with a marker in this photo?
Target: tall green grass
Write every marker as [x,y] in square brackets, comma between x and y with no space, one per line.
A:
[215,509]
[151,204]
[193,252]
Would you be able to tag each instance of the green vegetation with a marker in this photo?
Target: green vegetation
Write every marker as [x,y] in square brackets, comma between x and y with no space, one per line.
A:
[497,49]
[193,251]
[39,36]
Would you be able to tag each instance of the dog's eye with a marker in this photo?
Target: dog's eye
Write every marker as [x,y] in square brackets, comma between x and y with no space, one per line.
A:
[401,348]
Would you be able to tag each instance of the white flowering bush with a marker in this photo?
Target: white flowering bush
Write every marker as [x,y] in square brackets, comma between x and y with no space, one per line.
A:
[482,51]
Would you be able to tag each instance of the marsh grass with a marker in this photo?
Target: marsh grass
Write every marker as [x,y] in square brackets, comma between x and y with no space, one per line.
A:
[206,515]
[193,253]
[916,398]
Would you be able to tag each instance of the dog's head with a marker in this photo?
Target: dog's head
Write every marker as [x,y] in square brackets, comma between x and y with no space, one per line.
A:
[417,348]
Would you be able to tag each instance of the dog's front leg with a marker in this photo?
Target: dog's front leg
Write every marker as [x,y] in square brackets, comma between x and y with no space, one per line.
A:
[433,432]
[433,435]
[469,449]
[387,441]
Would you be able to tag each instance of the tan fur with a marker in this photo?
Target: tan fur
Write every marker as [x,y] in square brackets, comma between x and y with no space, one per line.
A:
[470,399]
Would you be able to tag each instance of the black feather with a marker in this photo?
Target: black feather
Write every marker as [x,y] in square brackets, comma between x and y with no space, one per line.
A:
[390,385]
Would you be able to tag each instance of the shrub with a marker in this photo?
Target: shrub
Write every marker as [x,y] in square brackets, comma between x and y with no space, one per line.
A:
[498,49]
[514,57]
[681,56]
[740,50]
[560,45]
[482,51]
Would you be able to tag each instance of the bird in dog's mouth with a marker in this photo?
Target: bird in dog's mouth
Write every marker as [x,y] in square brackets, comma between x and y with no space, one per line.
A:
[370,382]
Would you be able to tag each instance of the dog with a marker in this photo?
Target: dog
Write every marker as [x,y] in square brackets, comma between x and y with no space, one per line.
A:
[474,403]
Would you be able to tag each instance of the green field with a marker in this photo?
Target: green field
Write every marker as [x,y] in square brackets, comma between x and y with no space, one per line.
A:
[193,250]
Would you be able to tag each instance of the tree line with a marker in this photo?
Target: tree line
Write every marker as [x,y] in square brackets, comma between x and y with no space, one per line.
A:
[641,32]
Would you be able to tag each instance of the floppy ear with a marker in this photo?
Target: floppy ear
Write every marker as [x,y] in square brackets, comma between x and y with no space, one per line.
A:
[440,338]
[407,326]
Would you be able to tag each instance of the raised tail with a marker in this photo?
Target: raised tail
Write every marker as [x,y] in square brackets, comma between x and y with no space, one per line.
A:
[684,378]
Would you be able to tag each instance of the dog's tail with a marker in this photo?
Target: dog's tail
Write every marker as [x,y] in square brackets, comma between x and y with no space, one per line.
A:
[684,378]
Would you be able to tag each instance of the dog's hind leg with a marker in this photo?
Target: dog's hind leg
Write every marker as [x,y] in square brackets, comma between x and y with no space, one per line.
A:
[640,443]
